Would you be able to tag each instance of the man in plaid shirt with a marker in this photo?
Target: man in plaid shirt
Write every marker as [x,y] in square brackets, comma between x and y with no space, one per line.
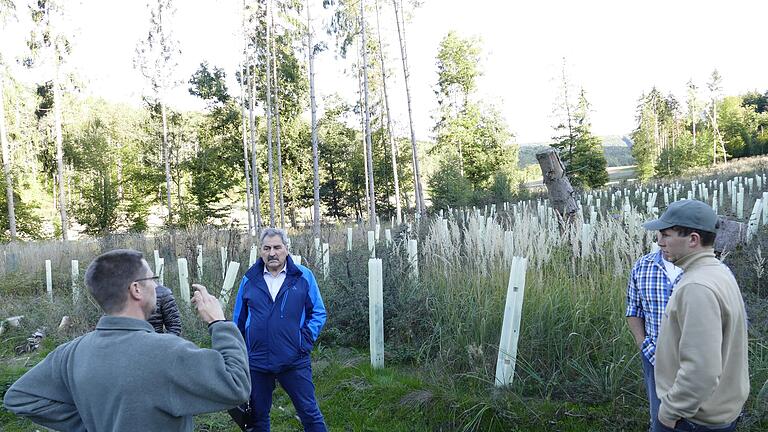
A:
[650,285]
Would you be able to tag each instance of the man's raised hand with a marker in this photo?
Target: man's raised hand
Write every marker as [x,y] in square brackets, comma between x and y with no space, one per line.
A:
[208,307]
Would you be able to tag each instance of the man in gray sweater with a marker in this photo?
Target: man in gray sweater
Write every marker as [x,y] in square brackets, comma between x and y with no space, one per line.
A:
[125,377]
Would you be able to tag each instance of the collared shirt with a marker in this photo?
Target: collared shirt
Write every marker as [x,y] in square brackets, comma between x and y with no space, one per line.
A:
[274,282]
[648,291]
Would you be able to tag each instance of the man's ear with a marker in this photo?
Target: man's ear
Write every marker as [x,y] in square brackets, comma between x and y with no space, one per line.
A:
[695,240]
[135,291]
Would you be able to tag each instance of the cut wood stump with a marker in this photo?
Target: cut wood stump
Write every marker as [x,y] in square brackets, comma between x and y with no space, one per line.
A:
[561,193]
[730,234]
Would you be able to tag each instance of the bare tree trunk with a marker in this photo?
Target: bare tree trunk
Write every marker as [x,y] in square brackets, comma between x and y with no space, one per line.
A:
[714,132]
[177,176]
[693,127]
[313,109]
[717,136]
[7,165]
[59,149]
[560,189]
[392,142]
[254,165]
[246,167]
[277,132]
[362,123]
[418,190]
[268,110]
[371,188]
[244,87]
[167,162]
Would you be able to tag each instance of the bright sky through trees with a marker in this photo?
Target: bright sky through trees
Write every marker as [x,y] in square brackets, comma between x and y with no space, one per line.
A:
[614,49]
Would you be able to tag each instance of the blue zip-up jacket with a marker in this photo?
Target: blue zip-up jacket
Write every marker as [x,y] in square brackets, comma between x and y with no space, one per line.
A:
[279,334]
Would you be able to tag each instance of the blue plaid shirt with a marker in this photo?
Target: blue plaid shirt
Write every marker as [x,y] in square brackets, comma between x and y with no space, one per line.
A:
[648,291]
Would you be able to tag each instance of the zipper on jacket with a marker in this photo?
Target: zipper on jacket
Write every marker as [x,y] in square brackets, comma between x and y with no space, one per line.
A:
[282,305]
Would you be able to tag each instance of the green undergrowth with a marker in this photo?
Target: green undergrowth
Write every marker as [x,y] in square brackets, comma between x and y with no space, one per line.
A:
[355,397]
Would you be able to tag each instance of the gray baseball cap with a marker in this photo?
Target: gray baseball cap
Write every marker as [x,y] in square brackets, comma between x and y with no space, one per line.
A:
[685,213]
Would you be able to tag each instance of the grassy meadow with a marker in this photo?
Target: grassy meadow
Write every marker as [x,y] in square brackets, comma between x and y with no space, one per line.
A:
[577,366]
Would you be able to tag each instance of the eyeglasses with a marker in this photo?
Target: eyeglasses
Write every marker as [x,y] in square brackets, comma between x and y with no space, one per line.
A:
[155,278]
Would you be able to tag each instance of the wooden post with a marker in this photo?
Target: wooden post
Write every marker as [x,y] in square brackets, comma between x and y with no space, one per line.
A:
[184,280]
[75,282]
[376,312]
[510,329]
[229,282]
[372,244]
[413,258]
[561,192]
[199,263]
[223,254]
[48,280]
[326,261]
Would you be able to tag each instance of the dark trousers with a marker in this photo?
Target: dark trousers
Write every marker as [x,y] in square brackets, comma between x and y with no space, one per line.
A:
[297,383]
[650,389]
[684,425]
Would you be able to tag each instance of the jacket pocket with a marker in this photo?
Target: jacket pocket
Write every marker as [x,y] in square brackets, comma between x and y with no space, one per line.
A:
[305,341]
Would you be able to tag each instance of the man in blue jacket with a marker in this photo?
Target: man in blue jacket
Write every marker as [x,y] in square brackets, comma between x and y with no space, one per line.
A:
[280,312]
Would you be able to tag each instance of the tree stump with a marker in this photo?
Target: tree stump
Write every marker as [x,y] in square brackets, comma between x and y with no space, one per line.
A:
[730,233]
[561,193]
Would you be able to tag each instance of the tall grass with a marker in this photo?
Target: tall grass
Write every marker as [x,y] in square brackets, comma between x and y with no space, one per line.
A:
[574,348]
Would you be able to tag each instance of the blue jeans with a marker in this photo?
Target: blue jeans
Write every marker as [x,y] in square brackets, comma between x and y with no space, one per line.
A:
[650,389]
[684,425]
[298,384]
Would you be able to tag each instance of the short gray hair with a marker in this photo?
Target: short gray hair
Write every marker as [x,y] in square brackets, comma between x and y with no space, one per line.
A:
[272,232]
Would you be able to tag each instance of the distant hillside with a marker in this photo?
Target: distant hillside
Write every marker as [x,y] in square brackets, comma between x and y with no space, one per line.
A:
[615,147]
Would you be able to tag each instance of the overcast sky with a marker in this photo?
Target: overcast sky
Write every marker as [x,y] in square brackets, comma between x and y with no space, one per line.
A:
[615,50]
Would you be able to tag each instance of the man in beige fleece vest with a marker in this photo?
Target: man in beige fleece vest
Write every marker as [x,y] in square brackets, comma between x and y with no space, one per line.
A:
[702,378]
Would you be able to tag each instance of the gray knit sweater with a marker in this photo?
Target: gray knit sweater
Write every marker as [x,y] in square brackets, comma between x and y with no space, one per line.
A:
[125,377]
